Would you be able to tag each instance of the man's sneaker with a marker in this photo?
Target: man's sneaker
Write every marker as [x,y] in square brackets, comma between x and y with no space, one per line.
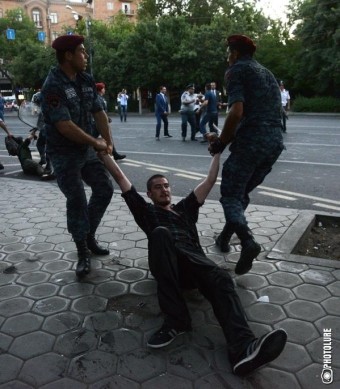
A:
[261,351]
[163,337]
[1,166]
[250,250]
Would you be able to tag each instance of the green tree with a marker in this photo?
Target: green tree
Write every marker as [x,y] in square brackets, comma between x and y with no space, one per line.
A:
[319,56]
[26,59]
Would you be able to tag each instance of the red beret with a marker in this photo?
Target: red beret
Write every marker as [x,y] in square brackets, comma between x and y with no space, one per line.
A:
[100,86]
[241,43]
[67,42]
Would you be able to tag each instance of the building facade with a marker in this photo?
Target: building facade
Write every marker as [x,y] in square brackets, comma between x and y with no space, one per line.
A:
[52,16]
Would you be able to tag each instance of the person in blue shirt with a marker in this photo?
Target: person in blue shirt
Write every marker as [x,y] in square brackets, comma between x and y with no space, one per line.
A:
[69,104]
[253,127]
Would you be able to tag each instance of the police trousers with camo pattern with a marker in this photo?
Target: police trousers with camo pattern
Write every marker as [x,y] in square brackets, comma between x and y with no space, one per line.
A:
[249,162]
[83,217]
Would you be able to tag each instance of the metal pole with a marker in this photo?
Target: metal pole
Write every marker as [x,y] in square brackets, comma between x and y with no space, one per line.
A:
[88,34]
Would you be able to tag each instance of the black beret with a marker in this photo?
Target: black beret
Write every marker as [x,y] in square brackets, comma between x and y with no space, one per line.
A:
[241,43]
[190,86]
[67,42]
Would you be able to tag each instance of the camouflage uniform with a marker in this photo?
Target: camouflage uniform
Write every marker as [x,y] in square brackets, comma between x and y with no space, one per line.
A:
[258,142]
[63,100]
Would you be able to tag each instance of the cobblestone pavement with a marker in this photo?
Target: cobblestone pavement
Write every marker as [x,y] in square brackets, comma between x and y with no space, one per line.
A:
[56,332]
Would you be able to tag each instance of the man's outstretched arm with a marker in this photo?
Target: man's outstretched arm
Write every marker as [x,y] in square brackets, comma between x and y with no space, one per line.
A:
[203,189]
[116,172]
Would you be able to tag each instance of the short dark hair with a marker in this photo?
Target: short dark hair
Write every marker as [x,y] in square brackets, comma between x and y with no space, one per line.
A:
[149,181]
[60,55]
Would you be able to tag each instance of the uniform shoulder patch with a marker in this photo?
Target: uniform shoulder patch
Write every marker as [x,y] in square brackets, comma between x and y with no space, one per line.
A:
[53,100]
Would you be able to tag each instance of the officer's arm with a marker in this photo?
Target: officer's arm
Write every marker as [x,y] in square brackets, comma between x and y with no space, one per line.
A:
[232,120]
[74,133]
[102,123]
[204,188]
[116,172]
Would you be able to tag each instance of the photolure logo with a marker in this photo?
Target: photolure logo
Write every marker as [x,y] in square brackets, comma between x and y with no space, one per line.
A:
[327,372]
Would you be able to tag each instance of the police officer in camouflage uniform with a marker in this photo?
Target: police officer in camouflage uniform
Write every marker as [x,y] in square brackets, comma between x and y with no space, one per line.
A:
[253,127]
[69,101]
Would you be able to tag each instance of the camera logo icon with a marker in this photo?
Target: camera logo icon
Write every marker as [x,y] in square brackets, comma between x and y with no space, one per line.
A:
[327,376]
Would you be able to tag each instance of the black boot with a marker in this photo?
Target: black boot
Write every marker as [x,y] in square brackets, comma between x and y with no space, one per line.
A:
[117,156]
[84,261]
[222,241]
[93,245]
[250,249]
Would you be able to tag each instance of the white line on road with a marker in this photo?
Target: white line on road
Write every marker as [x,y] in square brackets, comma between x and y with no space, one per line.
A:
[157,169]
[265,188]
[277,196]
[12,172]
[298,195]
[188,176]
[131,164]
[208,156]
[326,206]
[311,144]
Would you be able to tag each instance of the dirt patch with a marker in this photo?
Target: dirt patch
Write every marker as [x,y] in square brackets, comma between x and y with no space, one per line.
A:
[322,241]
[144,306]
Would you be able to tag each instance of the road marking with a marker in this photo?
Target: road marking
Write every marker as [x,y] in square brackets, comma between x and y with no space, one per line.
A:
[188,176]
[265,188]
[13,172]
[208,156]
[286,192]
[131,164]
[277,196]
[156,169]
[326,206]
[311,144]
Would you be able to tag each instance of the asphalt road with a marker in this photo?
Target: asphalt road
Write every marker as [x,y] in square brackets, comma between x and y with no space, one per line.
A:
[306,176]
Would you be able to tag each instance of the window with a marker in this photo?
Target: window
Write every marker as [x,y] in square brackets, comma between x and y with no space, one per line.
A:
[109,6]
[126,8]
[53,17]
[36,16]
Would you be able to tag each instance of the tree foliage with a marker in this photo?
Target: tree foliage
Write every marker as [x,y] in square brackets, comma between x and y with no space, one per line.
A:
[176,42]
[25,58]
[318,33]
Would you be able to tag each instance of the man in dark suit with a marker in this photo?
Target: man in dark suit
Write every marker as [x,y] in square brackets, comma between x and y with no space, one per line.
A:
[162,112]
[218,95]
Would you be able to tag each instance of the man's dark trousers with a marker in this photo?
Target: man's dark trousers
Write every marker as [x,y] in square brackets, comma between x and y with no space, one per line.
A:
[174,271]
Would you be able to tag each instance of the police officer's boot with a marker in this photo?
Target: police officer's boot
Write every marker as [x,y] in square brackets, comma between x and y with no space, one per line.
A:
[118,156]
[93,245]
[222,241]
[84,261]
[250,248]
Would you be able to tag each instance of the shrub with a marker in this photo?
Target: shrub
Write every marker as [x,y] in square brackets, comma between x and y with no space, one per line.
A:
[316,104]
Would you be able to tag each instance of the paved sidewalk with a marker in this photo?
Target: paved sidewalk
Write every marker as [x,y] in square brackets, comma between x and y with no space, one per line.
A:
[58,333]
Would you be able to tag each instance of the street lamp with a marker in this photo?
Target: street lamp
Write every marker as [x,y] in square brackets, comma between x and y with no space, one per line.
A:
[77,16]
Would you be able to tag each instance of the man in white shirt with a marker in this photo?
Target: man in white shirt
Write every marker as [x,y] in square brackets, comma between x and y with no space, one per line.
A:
[285,100]
[122,101]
